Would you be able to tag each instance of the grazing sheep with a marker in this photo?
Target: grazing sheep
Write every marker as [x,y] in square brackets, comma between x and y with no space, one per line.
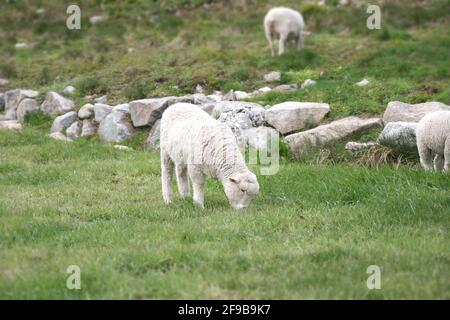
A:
[433,138]
[200,146]
[286,24]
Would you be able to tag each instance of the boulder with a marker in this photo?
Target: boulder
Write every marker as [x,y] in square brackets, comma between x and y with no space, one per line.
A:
[102,99]
[230,96]
[290,116]
[273,76]
[13,99]
[244,117]
[299,143]
[227,106]
[152,141]
[398,111]
[308,83]
[101,111]
[10,124]
[73,132]
[145,112]
[26,106]
[124,107]
[69,90]
[400,137]
[62,122]
[286,87]
[59,136]
[241,95]
[89,128]
[56,103]
[86,111]
[115,127]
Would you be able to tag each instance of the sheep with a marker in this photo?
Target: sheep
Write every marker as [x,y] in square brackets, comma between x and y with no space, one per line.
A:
[287,24]
[199,147]
[433,138]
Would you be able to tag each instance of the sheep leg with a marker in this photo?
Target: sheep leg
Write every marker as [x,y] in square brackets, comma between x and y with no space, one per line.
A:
[271,46]
[198,185]
[447,155]
[439,162]
[426,159]
[300,41]
[166,177]
[282,45]
[182,180]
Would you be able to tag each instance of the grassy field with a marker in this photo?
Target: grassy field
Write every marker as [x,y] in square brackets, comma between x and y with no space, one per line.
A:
[316,225]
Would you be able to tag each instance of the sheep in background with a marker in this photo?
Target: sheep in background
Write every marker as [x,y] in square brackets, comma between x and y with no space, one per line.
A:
[286,24]
[200,146]
[433,138]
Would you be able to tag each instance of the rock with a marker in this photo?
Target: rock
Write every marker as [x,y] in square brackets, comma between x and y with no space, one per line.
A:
[199,88]
[89,128]
[264,89]
[244,117]
[261,138]
[299,143]
[115,127]
[13,99]
[40,11]
[122,148]
[290,116]
[399,111]
[272,76]
[86,111]
[10,124]
[286,87]
[362,83]
[230,96]
[145,112]
[400,137]
[102,99]
[124,107]
[21,45]
[56,103]
[227,106]
[308,83]
[201,99]
[73,132]
[59,136]
[241,95]
[62,122]
[69,90]
[208,108]
[359,146]
[101,111]
[152,141]
[3,82]
[96,19]
[26,106]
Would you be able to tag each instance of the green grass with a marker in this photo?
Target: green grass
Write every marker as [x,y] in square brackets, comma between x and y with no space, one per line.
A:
[316,225]
[311,233]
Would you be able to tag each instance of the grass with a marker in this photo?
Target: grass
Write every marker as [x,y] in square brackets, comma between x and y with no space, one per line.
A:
[316,225]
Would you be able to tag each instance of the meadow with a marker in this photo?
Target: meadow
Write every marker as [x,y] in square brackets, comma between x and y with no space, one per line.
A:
[315,227]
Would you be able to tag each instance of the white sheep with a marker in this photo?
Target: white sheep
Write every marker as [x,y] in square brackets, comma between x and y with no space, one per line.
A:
[433,138]
[285,24]
[199,147]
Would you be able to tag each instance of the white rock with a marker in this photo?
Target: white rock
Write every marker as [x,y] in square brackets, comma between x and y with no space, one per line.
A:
[10,124]
[362,83]
[308,83]
[40,11]
[241,95]
[59,136]
[102,99]
[26,106]
[122,148]
[115,127]
[21,45]
[69,90]
[152,141]
[56,103]
[96,19]
[299,143]
[2,101]
[12,100]
[124,107]
[62,122]
[89,128]
[199,88]
[226,106]
[359,146]
[264,89]
[400,137]
[3,82]
[145,112]
[230,96]
[86,111]
[73,132]
[101,111]
[291,116]
[399,111]
[272,76]
[286,87]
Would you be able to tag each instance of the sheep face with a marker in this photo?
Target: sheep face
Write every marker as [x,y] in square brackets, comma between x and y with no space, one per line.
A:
[240,189]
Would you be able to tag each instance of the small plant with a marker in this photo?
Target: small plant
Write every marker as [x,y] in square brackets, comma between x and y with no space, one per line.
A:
[91,85]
